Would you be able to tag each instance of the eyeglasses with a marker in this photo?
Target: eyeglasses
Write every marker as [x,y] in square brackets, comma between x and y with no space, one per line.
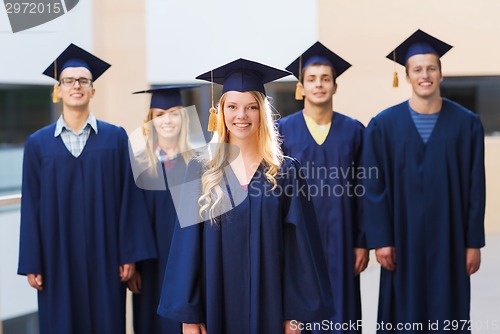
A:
[70,82]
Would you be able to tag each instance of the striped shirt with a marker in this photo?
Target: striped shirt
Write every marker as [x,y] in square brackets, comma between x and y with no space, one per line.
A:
[75,142]
[424,123]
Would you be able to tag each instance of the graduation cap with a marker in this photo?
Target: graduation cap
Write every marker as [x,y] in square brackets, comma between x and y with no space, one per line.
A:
[317,53]
[418,43]
[166,97]
[74,56]
[240,75]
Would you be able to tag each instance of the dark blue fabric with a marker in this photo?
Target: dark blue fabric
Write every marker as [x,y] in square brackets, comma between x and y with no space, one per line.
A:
[243,75]
[80,219]
[329,168]
[74,56]
[163,217]
[318,53]
[166,97]
[262,263]
[428,202]
[419,42]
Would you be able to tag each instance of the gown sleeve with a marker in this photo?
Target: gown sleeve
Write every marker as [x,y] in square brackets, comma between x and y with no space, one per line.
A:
[376,203]
[181,297]
[306,287]
[136,234]
[359,227]
[475,223]
[30,248]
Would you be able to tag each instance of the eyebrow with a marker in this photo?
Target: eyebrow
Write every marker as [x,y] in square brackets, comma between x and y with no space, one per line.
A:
[322,75]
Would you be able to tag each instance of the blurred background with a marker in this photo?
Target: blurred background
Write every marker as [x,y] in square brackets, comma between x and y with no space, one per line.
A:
[158,42]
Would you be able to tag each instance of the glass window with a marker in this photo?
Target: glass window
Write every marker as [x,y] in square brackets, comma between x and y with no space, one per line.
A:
[480,94]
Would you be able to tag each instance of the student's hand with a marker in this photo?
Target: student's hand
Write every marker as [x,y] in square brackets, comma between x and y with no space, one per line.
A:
[36,281]
[194,329]
[289,330]
[472,260]
[135,282]
[386,256]
[126,271]
[360,260]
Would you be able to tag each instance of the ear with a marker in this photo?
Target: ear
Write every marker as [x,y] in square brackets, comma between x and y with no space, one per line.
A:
[335,86]
[59,92]
[299,84]
[92,92]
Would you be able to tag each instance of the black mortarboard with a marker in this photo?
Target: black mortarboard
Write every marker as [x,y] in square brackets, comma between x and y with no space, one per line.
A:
[419,42]
[243,75]
[317,53]
[74,56]
[166,97]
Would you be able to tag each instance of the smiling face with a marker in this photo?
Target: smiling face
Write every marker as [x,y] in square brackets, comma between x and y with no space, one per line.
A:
[167,123]
[318,85]
[241,116]
[75,97]
[424,75]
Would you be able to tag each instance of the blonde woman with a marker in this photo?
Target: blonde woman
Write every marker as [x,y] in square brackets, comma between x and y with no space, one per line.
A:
[167,152]
[252,266]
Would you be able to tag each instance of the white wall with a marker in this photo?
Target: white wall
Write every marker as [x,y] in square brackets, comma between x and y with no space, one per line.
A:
[16,296]
[25,55]
[187,38]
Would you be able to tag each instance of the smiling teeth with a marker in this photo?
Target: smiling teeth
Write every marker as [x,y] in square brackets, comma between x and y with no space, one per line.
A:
[425,84]
[242,125]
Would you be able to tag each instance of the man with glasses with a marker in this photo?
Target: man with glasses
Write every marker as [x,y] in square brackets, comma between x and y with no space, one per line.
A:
[80,210]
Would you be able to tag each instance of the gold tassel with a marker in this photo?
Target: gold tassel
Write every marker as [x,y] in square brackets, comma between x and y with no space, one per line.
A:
[395,80]
[298,87]
[55,92]
[145,128]
[298,91]
[212,120]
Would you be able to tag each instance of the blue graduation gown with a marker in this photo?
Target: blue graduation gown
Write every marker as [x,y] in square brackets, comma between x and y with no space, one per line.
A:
[260,266]
[163,217]
[428,201]
[80,219]
[332,174]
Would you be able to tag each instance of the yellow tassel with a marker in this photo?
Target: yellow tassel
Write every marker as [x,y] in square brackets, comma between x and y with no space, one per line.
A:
[144,128]
[298,92]
[395,80]
[55,92]
[212,120]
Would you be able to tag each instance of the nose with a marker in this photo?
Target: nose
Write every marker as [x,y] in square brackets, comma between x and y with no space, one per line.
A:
[167,118]
[241,113]
[318,82]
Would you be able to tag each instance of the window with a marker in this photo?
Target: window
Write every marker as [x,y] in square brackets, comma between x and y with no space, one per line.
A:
[480,94]
[23,110]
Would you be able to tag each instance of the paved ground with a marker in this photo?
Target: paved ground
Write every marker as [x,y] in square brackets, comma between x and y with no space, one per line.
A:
[485,308]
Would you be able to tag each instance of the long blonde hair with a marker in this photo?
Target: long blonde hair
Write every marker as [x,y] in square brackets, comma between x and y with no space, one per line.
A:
[152,136]
[269,149]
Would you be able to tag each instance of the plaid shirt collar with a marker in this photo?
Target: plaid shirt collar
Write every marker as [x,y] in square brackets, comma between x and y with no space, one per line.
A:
[61,124]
